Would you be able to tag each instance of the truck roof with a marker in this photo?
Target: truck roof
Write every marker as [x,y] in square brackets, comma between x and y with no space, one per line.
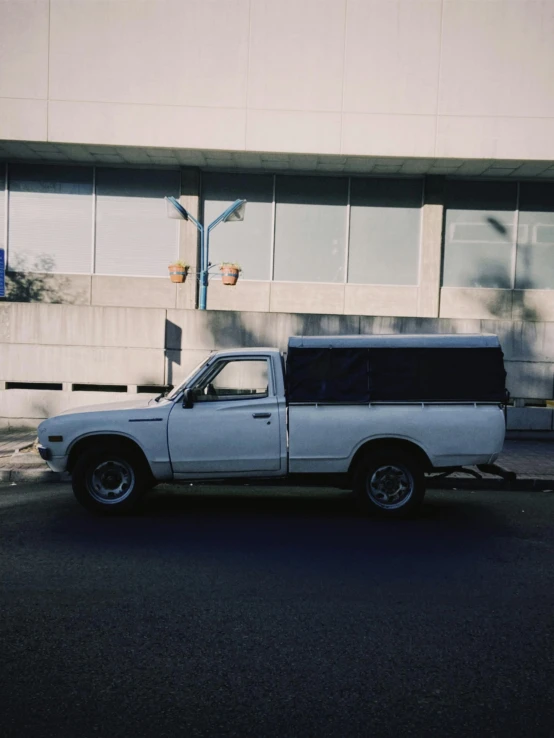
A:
[435,340]
[247,350]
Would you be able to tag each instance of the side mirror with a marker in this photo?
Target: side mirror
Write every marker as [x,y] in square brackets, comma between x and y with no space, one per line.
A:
[188,398]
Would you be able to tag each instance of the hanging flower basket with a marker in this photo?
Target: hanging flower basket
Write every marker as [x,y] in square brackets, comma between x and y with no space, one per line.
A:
[178,271]
[229,273]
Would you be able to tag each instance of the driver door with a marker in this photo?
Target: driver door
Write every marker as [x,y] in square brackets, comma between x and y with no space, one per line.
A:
[233,425]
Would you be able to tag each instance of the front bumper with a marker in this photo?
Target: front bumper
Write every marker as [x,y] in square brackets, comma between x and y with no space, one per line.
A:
[56,463]
[45,453]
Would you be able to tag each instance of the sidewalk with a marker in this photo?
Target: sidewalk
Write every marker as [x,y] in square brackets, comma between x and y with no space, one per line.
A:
[531,460]
[19,459]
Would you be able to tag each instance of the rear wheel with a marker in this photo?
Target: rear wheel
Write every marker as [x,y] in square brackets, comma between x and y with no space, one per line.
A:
[111,481]
[389,484]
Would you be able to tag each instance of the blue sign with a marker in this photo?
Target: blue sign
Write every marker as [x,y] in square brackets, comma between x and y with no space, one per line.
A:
[2,273]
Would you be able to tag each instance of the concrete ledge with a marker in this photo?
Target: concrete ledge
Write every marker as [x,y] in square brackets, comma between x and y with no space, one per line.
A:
[69,325]
[81,364]
[530,378]
[66,345]
[376,300]
[533,305]
[142,292]
[46,287]
[530,418]
[246,295]
[485,303]
[306,297]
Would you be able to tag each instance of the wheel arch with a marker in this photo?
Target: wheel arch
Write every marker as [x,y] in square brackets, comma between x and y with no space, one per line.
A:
[375,445]
[85,443]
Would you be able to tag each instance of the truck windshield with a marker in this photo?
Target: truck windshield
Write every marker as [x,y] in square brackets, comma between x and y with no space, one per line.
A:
[174,392]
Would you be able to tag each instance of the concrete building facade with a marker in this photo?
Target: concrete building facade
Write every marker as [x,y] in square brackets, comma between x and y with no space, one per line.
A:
[397,157]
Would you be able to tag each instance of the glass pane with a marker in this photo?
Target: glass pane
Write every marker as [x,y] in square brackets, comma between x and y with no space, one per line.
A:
[50,218]
[234,380]
[2,205]
[133,234]
[535,237]
[247,242]
[310,229]
[479,238]
[385,228]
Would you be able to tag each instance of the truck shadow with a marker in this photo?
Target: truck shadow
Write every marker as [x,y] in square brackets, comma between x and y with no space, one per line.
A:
[267,524]
[300,502]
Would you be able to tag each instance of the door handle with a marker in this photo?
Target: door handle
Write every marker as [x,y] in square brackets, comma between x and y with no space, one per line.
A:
[261,415]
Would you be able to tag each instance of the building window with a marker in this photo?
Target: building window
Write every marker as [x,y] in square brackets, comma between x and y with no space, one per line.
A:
[50,218]
[479,237]
[385,228]
[310,229]
[306,233]
[133,235]
[535,236]
[247,242]
[3,171]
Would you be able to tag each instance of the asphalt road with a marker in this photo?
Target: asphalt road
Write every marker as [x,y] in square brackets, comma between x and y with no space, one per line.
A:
[276,614]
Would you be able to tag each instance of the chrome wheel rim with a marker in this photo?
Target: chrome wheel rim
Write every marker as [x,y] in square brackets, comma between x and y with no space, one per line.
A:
[111,481]
[390,486]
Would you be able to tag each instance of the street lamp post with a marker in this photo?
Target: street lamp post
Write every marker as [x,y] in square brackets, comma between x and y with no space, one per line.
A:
[234,212]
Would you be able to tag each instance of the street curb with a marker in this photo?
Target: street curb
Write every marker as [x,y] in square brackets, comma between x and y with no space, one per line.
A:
[526,484]
[36,476]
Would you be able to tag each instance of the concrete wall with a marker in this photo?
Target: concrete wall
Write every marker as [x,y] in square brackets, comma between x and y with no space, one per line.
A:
[427,299]
[92,345]
[158,292]
[456,78]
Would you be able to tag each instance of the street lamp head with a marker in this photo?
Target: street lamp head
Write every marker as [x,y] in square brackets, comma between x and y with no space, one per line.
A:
[236,211]
[175,210]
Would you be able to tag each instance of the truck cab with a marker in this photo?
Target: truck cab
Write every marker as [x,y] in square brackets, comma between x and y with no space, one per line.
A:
[232,420]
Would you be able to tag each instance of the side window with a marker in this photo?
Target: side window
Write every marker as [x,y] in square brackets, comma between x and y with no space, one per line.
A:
[234,379]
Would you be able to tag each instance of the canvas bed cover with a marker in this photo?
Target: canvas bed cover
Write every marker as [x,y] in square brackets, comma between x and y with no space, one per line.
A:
[364,369]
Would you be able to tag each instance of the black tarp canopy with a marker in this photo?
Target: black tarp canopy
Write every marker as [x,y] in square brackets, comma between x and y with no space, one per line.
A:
[363,369]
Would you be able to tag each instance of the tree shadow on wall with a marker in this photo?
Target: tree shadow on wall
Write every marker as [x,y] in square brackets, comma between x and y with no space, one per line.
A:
[493,275]
[520,334]
[504,311]
[227,329]
[497,277]
[35,281]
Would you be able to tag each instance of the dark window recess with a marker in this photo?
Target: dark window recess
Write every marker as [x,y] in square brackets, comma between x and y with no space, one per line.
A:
[34,385]
[395,375]
[99,388]
[152,388]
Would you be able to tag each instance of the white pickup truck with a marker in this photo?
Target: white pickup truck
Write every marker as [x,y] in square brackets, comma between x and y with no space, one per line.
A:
[375,413]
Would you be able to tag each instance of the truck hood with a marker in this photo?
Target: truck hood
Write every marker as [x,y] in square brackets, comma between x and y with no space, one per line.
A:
[135,404]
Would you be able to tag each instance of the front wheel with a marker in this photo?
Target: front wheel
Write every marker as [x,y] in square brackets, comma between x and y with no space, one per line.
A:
[110,480]
[389,484]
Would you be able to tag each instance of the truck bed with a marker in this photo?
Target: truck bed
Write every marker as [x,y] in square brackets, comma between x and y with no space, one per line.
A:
[323,438]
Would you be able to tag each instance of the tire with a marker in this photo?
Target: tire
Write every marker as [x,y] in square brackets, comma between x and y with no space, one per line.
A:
[389,484]
[110,480]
